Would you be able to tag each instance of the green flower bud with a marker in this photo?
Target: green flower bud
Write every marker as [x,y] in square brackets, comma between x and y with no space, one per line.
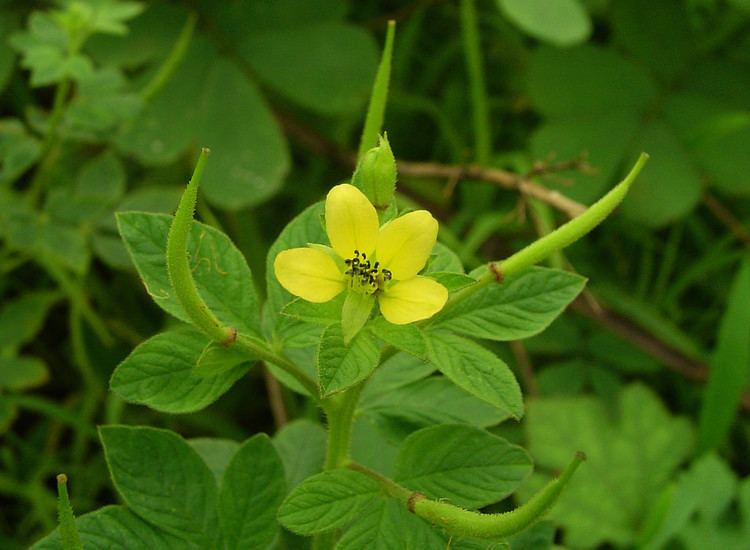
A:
[376,174]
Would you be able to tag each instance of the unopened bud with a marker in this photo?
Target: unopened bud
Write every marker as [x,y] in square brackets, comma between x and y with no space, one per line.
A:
[376,174]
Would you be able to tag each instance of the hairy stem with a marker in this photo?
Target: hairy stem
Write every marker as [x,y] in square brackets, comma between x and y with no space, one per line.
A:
[178,265]
[379,96]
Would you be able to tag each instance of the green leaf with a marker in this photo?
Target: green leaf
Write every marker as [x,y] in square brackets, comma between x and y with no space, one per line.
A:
[22,373]
[709,485]
[19,150]
[216,453]
[102,177]
[432,400]
[658,34]
[355,313]
[452,281]
[385,524]
[108,244]
[339,58]
[8,413]
[341,366]
[408,338]
[100,183]
[160,373]
[560,22]
[326,313]
[715,129]
[540,536]
[251,491]
[249,155]
[604,137]
[7,57]
[397,371]
[468,466]
[150,38]
[22,318]
[301,444]
[237,18]
[443,259]
[102,105]
[519,307]
[587,80]
[217,359]
[37,234]
[160,477]
[476,370]
[110,16]
[631,458]
[326,501]
[669,187]
[221,272]
[117,528]
[339,64]
[43,49]
[730,365]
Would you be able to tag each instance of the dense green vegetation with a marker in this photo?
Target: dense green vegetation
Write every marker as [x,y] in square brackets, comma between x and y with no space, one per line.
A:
[507,119]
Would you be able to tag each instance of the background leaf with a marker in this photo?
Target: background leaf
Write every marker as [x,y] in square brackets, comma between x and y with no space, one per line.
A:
[560,22]
[608,498]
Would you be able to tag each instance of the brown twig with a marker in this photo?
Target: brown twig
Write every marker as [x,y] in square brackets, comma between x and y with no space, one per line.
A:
[495,176]
[275,399]
[525,368]
[313,141]
[691,369]
[725,216]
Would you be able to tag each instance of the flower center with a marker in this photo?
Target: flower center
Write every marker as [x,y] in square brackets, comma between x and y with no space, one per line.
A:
[366,276]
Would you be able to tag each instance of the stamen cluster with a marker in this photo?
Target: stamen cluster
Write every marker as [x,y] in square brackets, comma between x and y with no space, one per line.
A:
[365,273]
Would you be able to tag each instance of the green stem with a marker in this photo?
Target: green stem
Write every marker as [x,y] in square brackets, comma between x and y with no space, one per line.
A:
[339,411]
[466,523]
[260,350]
[544,222]
[556,240]
[570,232]
[379,96]
[173,60]
[68,531]
[479,104]
[340,415]
[209,218]
[178,265]
[93,389]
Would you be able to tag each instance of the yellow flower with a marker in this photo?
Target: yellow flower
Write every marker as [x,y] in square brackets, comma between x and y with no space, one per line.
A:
[367,259]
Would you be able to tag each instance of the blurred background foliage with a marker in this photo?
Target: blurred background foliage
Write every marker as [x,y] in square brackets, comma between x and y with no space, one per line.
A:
[494,106]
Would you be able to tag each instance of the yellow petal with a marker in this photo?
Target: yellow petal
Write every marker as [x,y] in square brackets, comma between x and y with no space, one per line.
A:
[412,300]
[405,244]
[309,273]
[351,221]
